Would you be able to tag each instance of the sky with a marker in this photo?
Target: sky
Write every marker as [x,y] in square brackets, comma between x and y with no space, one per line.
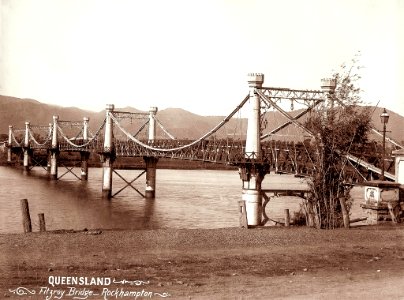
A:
[195,55]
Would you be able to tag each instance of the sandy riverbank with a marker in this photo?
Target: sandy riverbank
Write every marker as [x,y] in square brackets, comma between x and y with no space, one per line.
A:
[268,263]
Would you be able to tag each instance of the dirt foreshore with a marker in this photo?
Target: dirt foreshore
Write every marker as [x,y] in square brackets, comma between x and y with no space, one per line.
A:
[267,263]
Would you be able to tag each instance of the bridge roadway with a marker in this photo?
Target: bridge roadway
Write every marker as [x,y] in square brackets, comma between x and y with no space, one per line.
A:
[281,156]
[221,151]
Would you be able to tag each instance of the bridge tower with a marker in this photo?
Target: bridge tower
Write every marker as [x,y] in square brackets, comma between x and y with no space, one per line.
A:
[328,86]
[84,155]
[151,161]
[252,172]
[48,163]
[10,140]
[108,154]
[54,151]
[27,156]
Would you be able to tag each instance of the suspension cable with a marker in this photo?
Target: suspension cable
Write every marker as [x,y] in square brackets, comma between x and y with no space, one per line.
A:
[208,134]
[85,144]
[47,139]
[15,140]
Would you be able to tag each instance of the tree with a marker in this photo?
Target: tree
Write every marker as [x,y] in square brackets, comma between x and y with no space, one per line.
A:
[339,125]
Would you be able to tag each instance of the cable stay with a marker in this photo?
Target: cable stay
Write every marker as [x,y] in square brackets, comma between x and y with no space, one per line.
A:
[165,130]
[141,128]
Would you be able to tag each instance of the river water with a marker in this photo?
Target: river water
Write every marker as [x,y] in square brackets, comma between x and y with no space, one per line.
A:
[184,199]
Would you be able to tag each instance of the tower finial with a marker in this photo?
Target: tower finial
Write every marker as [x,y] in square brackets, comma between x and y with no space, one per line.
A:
[255,79]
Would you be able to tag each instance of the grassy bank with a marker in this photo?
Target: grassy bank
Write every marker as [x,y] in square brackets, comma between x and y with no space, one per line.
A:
[295,263]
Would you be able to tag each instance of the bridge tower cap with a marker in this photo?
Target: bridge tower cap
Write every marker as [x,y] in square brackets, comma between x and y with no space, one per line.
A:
[27,123]
[255,79]
[86,119]
[55,117]
[10,126]
[153,109]
[328,84]
[110,107]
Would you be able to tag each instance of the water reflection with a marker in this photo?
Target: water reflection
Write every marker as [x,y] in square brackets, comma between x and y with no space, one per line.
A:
[184,199]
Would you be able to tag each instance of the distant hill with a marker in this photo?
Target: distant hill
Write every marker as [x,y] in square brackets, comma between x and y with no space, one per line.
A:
[178,122]
[15,111]
[395,126]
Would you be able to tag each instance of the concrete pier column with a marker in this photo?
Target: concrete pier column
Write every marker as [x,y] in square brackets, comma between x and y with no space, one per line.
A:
[27,158]
[252,172]
[252,176]
[108,154]
[151,162]
[54,151]
[399,165]
[10,141]
[48,163]
[84,155]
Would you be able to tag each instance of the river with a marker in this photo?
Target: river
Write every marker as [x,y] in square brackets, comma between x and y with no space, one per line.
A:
[184,199]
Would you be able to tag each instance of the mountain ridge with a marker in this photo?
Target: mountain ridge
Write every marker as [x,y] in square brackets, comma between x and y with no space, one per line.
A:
[179,122]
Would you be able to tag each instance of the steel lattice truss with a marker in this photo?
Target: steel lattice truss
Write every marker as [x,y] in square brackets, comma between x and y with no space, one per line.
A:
[120,115]
[306,97]
[282,155]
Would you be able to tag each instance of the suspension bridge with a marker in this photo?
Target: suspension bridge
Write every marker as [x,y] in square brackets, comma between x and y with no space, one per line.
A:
[255,151]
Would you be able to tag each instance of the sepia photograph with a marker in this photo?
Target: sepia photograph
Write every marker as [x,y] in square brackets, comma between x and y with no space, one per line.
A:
[216,149]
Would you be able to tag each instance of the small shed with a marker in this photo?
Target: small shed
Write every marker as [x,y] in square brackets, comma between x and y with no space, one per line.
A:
[382,201]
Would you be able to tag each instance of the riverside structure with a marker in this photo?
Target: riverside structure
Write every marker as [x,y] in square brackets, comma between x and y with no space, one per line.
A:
[254,156]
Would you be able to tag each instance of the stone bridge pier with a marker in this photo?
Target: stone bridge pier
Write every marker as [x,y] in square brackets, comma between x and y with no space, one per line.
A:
[253,171]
